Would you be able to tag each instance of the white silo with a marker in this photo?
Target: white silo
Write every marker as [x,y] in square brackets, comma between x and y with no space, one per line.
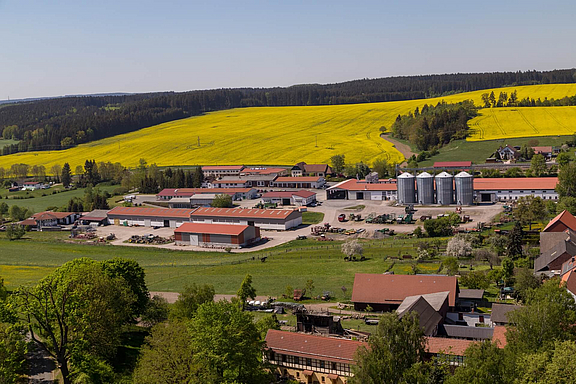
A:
[444,188]
[425,188]
[406,189]
[464,188]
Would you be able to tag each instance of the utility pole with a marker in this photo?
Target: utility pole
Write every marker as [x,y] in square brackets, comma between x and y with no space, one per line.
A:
[316,141]
[198,141]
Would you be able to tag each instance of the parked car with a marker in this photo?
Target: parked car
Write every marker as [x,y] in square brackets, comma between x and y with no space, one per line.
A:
[342,217]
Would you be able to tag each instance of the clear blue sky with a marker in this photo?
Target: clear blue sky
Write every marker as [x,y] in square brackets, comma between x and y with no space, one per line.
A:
[57,47]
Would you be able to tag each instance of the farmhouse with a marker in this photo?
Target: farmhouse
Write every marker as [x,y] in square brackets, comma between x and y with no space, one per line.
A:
[222,170]
[508,153]
[547,152]
[32,185]
[299,182]
[353,189]
[50,220]
[149,217]
[552,258]
[303,169]
[561,223]
[236,193]
[216,235]
[513,188]
[298,198]
[274,219]
[569,276]
[500,313]
[386,292]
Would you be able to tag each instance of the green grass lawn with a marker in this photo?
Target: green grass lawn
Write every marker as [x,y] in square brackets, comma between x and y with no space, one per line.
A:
[35,200]
[28,260]
[478,151]
[312,217]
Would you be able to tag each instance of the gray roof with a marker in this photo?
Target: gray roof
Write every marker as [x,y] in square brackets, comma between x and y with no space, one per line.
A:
[500,312]
[471,294]
[466,332]
[427,316]
[97,213]
[436,300]
[549,239]
[568,245]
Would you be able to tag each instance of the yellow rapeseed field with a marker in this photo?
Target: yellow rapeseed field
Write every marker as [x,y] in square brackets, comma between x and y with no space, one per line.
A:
[285,135]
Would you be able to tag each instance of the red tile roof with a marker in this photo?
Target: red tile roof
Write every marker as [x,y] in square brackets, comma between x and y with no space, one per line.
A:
[298,179]
[312,346]
[515,183]
[32,182]
[443,164]
[223,167]
[244,212]
[212,229]
[193,191]
[499,336]
[151,212]
[230,182]
[565,218]
[538,150]
[393,289]
[569,278]
[47,215]
[262,171]
[362,185]
[455,347]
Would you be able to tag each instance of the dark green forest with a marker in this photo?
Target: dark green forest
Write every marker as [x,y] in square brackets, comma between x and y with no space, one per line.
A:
[60,123]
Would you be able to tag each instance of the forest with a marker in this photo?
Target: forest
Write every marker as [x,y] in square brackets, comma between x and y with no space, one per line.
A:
[434,126]
[60,123]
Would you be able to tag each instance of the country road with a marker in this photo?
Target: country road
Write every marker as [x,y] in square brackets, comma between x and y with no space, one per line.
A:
[403,148]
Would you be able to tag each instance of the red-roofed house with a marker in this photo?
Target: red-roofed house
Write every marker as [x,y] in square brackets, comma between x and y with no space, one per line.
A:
[33,185]
[216,235]
[547,152]
[564,221]
[384,292]
[274,219]
[49,220]
[298,198]
[303,169]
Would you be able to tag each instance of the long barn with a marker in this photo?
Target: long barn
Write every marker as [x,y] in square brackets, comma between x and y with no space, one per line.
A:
[149,217]
[275,219]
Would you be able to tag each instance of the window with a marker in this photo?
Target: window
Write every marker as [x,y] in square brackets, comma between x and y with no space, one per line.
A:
[322,378]
[321,364]
[272,357]
[297,374]
[309,362]
[334,366]
[296,360]
[283,358]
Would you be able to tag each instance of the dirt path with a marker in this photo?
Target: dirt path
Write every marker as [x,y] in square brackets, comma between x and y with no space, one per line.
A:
[403,148]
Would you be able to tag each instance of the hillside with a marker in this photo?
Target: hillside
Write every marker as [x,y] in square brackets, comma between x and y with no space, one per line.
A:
[284,135]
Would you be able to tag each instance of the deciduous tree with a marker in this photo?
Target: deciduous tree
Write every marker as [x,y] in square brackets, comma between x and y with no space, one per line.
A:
[246,290]
[190,299]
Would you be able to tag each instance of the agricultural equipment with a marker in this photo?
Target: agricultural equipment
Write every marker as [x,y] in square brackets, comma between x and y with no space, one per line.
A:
[409,209]
[466,218]
[424,218]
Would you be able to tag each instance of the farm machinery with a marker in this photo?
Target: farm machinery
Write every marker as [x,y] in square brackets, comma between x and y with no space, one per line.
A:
[386,218]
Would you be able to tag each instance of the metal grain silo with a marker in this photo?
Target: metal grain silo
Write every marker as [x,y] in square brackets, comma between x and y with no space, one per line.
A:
[444,188]
[464,188]
[406,189]
[425,188]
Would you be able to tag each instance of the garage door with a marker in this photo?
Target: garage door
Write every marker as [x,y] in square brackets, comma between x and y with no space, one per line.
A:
[193,239]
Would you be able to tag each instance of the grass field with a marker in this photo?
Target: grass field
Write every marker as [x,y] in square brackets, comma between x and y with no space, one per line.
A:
[276,135]
[39,203]
[309,217]
[478,151]
[26,261]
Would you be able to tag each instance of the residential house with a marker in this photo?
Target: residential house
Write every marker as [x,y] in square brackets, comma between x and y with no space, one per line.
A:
[508,153]
[500,312]
[562,222]
[303,169]
[552,258]
[50,220]
[33,185]
[547,152]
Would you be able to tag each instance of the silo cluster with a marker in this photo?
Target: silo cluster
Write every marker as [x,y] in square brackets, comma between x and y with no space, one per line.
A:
[443,189]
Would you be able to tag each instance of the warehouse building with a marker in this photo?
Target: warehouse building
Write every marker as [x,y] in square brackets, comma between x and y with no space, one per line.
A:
[149,217]
[273,219]
[353,189]
[227,182]
[263,171]
[299,182]
[513,188]
[222,170]
[236,193]
[216,235]
[250,180]
[298,198]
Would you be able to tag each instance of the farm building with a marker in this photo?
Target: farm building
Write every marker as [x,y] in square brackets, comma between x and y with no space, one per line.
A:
[387,292]
[33,185]
[500,311]
[564,221]
[508,152]
[513,188]
[299,182]
[569,276]
[353,189]
[252,180]
[96,217]
[236,193]
[298,198]
[303,169]
[197,200]
[263,171]
[551,259]
[149,217]
[48,220]
[216,235]
[222,170]
[278,219]
[227,182]
[547,152]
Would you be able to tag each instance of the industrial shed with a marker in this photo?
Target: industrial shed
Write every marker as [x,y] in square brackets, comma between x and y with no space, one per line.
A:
[299,182]
[149,217]
[300,198]
[216,235]
[236,193]
[275,219]
[512,188]
[352,189]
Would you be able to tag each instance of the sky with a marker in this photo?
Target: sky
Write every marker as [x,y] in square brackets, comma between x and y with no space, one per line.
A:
[65,47]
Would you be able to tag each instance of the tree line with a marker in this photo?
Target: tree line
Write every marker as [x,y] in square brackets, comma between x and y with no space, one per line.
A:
[489,100]
[61,123]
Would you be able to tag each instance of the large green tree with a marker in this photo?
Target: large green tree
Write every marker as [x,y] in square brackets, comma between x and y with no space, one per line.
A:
[76,314]
[246,290]
[13,350]
[66,175]
[567,180]
[485,363]
[190,299]
[392,350]
[134,276]
[338,162]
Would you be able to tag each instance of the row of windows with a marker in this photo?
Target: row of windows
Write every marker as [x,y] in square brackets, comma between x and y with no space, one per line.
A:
[318,365]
